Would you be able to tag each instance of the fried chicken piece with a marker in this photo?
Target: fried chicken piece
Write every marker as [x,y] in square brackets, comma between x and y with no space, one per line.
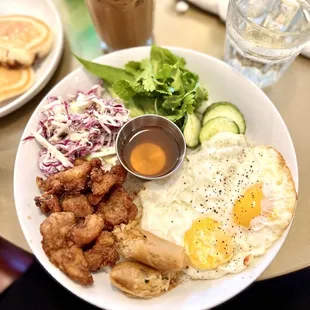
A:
[56,230]
[50,185]
[103,253]
[121,173]
[79,161]
[95,162]
[94,199]
[118,208]
[87,230]
[101,182]
[73,263]
[48,203]
[72,180]
[78,204]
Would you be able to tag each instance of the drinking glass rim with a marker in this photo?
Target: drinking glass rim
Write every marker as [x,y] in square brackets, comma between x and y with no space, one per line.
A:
[246,19]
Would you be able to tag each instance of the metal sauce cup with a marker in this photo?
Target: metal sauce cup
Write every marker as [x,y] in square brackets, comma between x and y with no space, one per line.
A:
[142,122]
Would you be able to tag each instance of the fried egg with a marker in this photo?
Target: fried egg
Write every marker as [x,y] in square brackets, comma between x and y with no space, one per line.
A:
[228,203]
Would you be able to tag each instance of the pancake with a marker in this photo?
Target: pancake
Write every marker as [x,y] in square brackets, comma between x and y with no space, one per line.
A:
[22,39]
[14,82]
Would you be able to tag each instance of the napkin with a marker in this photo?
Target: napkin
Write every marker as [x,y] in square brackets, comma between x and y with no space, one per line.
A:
[219,7]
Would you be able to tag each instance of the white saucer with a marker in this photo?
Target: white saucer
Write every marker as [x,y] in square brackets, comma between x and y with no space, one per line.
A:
[44,70]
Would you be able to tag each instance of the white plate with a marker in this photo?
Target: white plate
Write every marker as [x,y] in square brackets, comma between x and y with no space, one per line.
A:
[44,70]
[264,125]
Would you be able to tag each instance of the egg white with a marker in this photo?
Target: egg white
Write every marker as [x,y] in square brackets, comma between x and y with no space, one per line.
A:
[209,182]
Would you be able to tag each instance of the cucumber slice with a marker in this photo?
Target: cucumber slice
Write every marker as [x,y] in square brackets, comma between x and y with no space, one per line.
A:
[225,109]
[216,125]
[191,130]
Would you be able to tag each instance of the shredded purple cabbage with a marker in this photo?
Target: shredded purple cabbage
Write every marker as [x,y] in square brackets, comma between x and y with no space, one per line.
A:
[80,126]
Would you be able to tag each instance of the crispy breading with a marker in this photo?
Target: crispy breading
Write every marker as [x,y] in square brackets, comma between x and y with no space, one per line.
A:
[103,253]
[56,230]
[78,161]
[78,204]
[72,196]
[101,182]
[72,262]
[48,203]
[87,230]
[50,185]
[71,180]
[118,208]
[121,173]
[95,162]
[94,199]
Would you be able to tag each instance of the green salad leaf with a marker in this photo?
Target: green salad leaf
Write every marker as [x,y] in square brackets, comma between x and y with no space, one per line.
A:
[160,84]
[107,73]
[123,89]
[133,67]
[161,56]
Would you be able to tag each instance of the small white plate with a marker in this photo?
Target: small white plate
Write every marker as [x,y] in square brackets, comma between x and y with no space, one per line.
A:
[264,126]
[45,68]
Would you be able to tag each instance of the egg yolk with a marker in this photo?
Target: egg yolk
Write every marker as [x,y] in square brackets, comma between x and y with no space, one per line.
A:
[207,244]
[248,206]
[148,158]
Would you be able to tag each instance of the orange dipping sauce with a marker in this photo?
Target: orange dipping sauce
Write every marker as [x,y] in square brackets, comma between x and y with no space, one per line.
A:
[151,151]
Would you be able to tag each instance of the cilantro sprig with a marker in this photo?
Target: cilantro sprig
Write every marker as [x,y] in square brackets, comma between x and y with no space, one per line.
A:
[159,85]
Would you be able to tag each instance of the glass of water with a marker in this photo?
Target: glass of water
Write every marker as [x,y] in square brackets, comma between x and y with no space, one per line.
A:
[263,37]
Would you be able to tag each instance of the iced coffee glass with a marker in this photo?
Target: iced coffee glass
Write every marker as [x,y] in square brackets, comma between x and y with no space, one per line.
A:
[122,23]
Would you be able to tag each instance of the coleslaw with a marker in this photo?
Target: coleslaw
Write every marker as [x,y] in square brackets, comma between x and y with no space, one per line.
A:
[86,124]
